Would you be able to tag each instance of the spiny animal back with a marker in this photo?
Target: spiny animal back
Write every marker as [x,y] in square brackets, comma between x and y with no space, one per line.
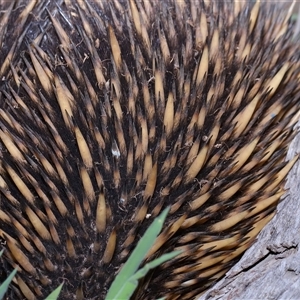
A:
[112,111]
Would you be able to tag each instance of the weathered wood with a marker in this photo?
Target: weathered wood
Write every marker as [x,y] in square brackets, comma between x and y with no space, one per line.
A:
[270,269]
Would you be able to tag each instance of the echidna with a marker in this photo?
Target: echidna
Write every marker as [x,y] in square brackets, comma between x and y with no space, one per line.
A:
[111,111]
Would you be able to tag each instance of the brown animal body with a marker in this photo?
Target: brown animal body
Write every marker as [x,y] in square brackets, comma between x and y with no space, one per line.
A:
[112,111]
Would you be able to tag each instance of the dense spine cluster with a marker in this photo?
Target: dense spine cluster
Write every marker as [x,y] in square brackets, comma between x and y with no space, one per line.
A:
[112,110]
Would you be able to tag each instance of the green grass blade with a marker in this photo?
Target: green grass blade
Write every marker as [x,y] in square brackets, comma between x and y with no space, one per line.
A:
[129,287]
[126,291]
[6,283]
[137,256]
[153,264]
[54,295]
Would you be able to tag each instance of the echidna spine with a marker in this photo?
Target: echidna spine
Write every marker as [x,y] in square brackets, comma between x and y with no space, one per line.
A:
[110,112]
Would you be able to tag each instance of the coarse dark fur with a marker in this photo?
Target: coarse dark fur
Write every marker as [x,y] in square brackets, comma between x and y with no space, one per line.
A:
[111,111]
